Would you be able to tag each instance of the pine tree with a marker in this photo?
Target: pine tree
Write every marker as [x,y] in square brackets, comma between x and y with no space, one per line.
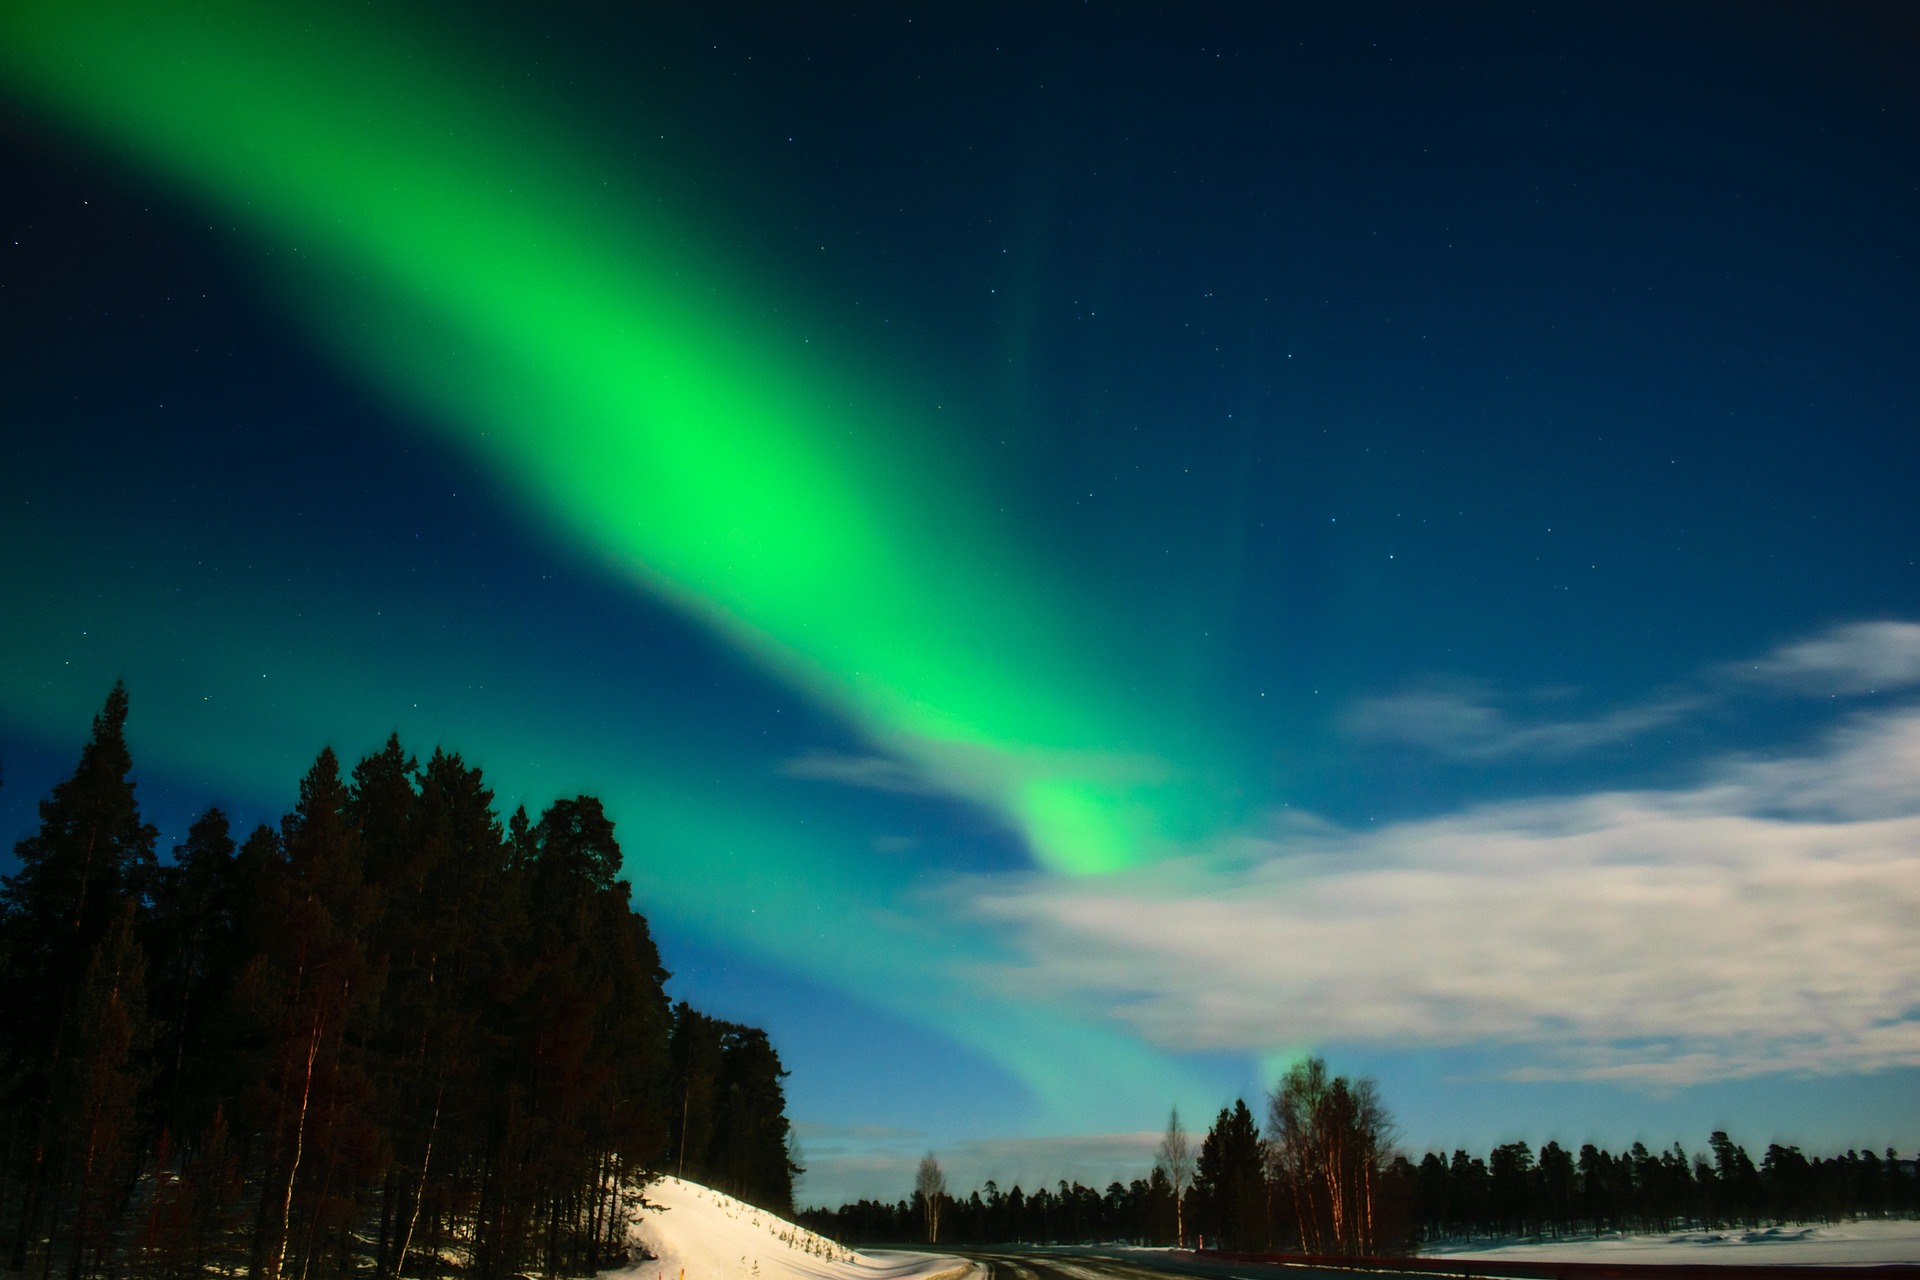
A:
[1230,1181]
[1737,1178]
[90,857]
[198,938]
[750,1152]
[694,1049]
[1510,1171]
[1557,1187]
[450,923]
[311,979]
[97,1092]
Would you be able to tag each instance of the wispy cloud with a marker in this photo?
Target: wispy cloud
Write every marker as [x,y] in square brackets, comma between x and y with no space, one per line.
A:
[1471,720]
[872,773]
[1462,720]
[1860,657]
[817,1131]
[1765,921]
[925,767]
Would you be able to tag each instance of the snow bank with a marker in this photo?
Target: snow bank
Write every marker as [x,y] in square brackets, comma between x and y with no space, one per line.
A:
[1846,1244]
[695,1233]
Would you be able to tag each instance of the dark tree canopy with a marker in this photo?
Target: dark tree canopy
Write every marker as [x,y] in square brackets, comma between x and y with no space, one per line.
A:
[392,1034]
[91,854]
[729,1128]
[1232,1209]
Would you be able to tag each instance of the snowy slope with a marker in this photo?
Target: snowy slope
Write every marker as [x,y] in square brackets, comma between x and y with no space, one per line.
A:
[1842,1244]
[695,1233]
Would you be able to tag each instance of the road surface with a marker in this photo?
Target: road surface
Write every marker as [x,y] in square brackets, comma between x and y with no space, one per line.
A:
[1131,1264]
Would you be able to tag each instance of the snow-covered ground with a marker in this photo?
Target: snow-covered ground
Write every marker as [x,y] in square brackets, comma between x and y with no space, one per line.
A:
[695,1233]
[1844,1244]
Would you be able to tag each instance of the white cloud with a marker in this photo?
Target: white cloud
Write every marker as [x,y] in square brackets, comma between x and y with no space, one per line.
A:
[1860,657]
[1766,921]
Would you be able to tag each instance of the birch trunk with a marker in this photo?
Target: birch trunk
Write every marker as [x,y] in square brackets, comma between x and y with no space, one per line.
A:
[276,1251]
[420,1191]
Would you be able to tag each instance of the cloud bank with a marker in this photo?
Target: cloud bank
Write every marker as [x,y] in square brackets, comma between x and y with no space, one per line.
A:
[1765,921]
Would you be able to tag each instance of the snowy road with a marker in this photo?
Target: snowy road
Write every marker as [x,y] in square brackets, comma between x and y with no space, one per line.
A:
[1127,1265]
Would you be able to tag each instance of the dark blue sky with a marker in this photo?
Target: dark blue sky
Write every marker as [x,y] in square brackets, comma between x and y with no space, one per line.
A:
[1479,445]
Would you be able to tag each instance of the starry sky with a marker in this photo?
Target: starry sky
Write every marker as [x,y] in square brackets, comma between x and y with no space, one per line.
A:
[1091,551]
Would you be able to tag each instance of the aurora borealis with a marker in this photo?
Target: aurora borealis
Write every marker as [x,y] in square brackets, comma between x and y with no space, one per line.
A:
[964,488]
[608,378]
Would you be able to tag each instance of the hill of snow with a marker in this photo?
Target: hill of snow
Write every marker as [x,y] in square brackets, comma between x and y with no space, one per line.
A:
[696,1233]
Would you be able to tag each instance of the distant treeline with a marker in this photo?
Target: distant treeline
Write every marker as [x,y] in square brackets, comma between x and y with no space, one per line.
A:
[1321,1183]
[393,1035]
[1247,1195]
[1516,1192]
[1139,1213]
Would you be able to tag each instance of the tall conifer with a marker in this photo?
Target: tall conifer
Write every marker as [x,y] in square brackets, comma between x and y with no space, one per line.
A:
[91,855]
[311,979]
[97,1092]
[198,941]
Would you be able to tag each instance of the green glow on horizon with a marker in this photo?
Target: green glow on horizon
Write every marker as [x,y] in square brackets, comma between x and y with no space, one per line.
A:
[476,263]
[718,858]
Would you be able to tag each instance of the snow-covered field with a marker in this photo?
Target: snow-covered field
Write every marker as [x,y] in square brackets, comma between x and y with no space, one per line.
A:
[1845,1244]
[695,1233]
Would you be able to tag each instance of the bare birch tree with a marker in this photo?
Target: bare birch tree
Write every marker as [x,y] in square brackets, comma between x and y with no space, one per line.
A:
[930,1187]
[1175,1158]
[1330,1140]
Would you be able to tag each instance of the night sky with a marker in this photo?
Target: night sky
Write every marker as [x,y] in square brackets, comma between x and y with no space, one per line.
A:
[1089,550]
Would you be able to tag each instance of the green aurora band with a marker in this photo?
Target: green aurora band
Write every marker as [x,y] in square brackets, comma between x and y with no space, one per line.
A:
[720,859]
[475,263]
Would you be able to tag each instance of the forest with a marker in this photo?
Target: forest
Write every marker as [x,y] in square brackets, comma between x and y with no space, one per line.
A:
[1323,1179]
[392,1035]
[397,1035]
